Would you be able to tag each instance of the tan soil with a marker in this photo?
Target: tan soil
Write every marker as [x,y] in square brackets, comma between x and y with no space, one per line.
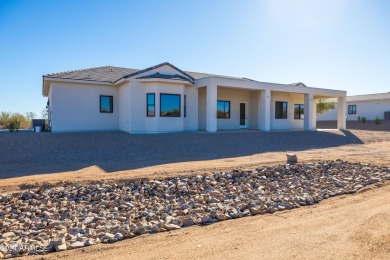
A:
[375,149]
[347,227]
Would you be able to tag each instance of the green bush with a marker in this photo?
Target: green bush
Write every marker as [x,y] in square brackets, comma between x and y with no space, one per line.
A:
[16,121]
[359,118]
[13,125]
[363,119]
[378,121]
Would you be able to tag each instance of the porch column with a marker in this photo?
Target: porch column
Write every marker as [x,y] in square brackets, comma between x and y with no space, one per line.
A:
[264,110]
[308,112]
[211,107]
[314,118]
[341,113]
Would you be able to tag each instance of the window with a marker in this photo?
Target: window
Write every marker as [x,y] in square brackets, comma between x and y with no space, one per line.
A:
[106,104]
[351,109]
[298,111]
[185,105]
[223,109]
[150,105]
[280,110]
[169,105]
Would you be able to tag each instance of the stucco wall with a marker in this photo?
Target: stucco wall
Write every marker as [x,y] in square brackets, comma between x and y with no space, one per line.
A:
[125,107]
[295,99]
[235,96]
[141,123]
[280,124]
[330,115]
[368,109]
[254,109]
[76,107]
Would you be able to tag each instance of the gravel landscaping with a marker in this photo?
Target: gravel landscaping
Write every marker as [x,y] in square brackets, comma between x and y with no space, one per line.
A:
[73,216]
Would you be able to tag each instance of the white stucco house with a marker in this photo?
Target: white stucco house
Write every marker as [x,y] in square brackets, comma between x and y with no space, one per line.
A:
[164,98]
[370,106]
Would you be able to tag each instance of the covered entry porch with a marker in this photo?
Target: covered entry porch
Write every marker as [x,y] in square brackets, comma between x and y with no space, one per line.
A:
[242,103]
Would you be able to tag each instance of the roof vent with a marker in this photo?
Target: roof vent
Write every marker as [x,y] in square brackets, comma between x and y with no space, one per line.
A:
[157,75]
[298,84]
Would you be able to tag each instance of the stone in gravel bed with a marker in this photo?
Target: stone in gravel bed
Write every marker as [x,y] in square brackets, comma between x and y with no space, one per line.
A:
[73,216]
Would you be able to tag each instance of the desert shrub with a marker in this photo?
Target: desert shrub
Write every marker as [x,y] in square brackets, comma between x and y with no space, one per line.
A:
[11,126]
[377,121]
[363,119]
[359,118]
[324,105]
[16,120]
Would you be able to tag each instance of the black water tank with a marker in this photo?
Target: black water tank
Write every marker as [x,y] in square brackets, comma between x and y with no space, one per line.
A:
[38,122]
[387,115]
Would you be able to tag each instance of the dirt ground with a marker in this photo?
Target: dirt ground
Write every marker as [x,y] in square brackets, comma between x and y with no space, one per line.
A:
[353,226]
[367,146]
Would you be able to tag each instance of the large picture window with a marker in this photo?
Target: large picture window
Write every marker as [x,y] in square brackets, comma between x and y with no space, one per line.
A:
[280,110]
[106,105]
[150,105]
[169,105]
[352,109]
[299,111]
[223,109]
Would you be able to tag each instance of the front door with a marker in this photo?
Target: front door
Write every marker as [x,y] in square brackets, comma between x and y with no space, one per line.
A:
[243,115]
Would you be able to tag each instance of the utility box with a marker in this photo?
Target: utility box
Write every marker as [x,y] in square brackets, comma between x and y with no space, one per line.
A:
[387,115]
[38,122]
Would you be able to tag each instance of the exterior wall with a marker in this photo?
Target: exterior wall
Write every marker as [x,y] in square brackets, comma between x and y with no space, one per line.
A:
[235,96]
[141,123]
[50,107]
[191,120]
[76,107]
[295,99]
[280,124]
[125,107]
[330,115]
[254,110]
[369,109]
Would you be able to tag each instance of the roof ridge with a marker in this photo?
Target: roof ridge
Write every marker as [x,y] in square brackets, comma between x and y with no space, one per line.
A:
[70,71]
[212,74]
[370,94]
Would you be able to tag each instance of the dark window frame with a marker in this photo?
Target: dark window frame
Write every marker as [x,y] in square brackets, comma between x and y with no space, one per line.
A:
[300,106]
[111,98]
[224,109]
[150,105]
[352,109]
[185,106]
[161,94]
[282,116]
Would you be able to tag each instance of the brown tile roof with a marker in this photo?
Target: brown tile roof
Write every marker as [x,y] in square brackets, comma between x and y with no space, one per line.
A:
[108,74]
[369,97]
[112,74]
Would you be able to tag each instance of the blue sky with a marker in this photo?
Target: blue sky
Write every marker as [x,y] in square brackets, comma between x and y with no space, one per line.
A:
[340,44]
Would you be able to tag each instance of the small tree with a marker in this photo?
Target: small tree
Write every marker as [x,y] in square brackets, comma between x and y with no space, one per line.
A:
[324,105]
[364,119]
[377,120]
[359,118]
[4,119]
[30,115]
[44,114]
